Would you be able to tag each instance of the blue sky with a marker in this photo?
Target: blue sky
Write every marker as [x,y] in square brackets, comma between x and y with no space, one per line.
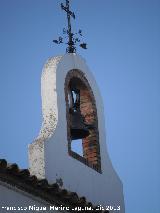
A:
[123,53]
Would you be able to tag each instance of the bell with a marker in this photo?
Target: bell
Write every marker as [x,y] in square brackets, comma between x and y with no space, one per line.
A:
[78,129]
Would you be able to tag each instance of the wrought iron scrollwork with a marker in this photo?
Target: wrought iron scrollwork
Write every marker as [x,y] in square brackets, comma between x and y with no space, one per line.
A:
[73,38]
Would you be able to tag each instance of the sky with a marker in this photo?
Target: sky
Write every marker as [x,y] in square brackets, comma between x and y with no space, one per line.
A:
[123,38]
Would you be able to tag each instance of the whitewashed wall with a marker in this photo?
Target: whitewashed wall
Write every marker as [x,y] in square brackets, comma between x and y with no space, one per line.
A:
[14,200]
[48,154]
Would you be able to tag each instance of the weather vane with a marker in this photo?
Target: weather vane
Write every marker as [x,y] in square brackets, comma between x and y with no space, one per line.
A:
[73,38]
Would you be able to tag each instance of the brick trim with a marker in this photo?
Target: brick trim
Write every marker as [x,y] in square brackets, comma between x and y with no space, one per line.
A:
[91,147]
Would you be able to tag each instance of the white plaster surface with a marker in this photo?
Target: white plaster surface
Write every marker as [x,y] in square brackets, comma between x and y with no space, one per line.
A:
[53,161]
[12,197]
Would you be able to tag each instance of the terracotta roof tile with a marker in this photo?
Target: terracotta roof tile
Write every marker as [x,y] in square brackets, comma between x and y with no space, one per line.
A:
[52,193]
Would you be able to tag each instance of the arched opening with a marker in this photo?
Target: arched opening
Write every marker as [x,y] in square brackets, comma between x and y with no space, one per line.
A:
[82,122]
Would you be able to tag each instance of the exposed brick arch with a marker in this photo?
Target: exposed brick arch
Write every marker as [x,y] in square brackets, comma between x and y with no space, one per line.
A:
[91,148]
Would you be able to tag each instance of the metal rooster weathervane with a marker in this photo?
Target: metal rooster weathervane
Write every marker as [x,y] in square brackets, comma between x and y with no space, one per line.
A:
[72,40]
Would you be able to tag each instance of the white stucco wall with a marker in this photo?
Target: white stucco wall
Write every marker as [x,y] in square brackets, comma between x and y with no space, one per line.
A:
[13,199]
[53,161]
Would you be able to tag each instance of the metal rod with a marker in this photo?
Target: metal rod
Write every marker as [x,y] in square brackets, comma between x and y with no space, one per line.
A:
[72,40]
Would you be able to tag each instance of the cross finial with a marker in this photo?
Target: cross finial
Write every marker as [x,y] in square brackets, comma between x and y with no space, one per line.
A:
[71,48]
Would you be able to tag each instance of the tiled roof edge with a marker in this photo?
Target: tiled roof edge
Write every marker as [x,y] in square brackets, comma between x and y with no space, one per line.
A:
[52,193]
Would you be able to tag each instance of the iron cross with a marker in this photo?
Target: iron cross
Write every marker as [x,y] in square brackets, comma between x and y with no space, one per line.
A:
[71,48]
